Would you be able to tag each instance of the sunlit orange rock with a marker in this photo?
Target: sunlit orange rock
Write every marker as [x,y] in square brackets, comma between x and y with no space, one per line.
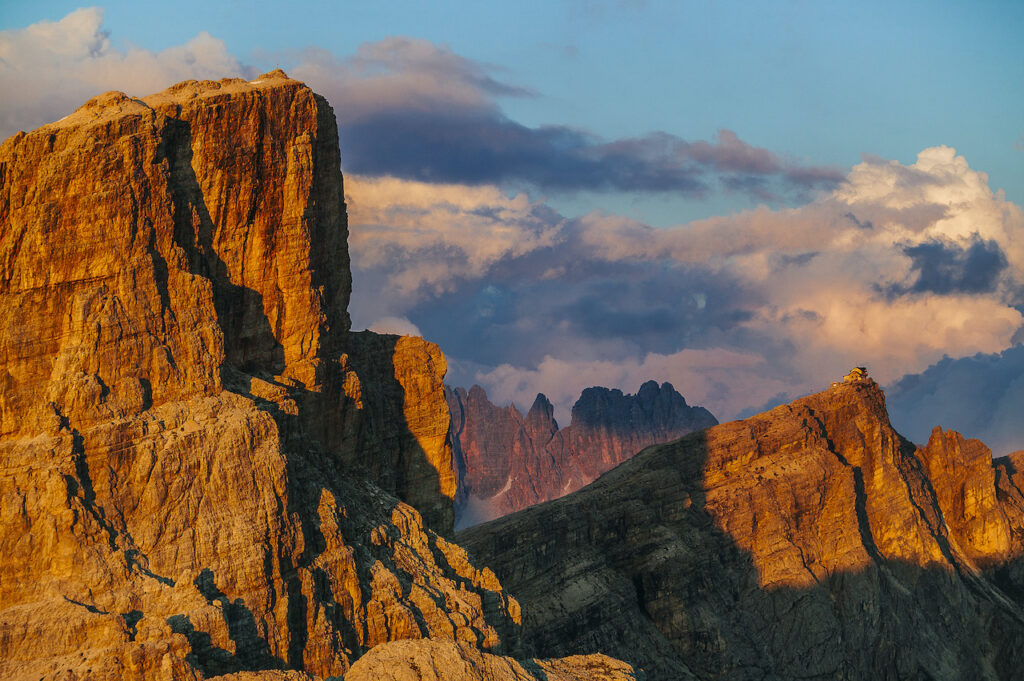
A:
[811,541]
[426,660]
[201,471]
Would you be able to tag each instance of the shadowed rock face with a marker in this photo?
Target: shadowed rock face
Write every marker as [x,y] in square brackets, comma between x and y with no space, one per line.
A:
[201,470]
[811,541]
[506,462]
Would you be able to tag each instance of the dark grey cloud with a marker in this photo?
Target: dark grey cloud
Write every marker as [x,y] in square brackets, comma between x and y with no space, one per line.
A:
[484,147]
[981,396]
[945,267]
[863,224]
[636,308]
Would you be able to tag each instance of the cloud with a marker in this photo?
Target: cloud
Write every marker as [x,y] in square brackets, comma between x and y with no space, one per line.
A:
[981,396]
[943,267]
[414,110]
[426,237]
[56,66]
[407,108]
[897,267]
[395,325]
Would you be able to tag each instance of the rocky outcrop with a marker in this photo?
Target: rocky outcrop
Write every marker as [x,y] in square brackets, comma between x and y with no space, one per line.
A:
[202,471]
[811,541]
[426,660]
[506,462]
[140,234]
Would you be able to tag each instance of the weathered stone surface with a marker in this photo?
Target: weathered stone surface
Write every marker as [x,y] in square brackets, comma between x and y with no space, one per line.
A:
[191,441]
[961,472]
[391,420]
[811,541]
[154,249]
[426,660]
[138,234]
[507,462]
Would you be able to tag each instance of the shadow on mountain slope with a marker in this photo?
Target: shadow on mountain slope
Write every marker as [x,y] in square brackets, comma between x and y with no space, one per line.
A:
[807,543]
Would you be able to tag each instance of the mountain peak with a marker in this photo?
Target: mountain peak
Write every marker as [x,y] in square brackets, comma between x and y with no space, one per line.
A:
[508,462]
[817,509]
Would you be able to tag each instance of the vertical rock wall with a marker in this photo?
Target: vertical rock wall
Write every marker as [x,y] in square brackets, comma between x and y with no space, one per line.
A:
[190,440]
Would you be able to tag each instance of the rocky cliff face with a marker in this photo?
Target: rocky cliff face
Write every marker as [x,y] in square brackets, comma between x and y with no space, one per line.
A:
[811,541]
[140,235]
[202,471]
[506,462]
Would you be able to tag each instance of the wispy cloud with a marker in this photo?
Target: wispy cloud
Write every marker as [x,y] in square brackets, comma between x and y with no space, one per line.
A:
[948,267]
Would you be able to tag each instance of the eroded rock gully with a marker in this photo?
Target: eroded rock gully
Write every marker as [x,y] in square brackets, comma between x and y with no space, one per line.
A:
[202,472]
[810,542]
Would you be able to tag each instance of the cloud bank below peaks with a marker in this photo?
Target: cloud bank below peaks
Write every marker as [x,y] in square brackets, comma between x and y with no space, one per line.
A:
[897,267]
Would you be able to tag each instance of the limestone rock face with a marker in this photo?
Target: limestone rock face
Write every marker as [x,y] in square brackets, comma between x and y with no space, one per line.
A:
[393,420]
[201,471]
[811,541]
[962,474]
[140,234]
[507,462]
[426,660]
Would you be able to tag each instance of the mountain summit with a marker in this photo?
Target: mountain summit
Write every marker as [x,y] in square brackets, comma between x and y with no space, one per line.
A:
[811,541]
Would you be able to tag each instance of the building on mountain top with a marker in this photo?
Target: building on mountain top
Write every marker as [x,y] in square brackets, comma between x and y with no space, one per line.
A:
[856,374]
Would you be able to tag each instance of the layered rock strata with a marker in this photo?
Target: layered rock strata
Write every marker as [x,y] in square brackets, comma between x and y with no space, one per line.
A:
[506,461]
[808,542]
[202,472]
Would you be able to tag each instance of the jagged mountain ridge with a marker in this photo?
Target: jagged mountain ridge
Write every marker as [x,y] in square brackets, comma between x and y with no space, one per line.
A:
[202,470]
[506,461]
[811,541]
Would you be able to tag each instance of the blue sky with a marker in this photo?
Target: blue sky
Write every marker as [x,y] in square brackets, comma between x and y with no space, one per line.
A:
[743,198]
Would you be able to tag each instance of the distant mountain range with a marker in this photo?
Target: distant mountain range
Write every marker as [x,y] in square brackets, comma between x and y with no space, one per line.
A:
[506,461]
